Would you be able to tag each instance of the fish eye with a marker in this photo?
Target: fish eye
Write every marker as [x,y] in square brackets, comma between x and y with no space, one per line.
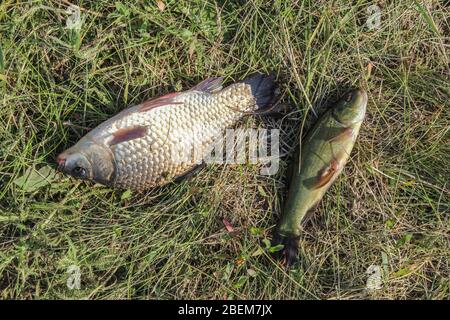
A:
[348,97]
[79,172]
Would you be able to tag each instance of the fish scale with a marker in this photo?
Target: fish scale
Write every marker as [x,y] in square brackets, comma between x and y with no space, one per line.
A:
[140,147]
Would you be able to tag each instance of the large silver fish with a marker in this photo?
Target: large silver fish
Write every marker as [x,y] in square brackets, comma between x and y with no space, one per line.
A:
[146,145]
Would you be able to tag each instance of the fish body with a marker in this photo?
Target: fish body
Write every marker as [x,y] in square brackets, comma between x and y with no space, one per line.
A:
[323,154]
[153,143]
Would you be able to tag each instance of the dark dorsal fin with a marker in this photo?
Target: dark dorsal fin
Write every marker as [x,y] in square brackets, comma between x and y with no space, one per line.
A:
[211,85]
[126,134]
[167,99]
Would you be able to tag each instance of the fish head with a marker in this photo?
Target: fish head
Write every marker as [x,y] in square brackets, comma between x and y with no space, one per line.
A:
[351,108]
[88,160]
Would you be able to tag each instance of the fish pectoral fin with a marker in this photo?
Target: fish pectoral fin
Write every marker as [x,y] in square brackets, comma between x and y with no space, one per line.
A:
[327,174]
[344,134]
[127,134]
[211,85]
[168,99]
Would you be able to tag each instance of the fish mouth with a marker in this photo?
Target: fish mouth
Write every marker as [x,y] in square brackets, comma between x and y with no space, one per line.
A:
[363,95]
[61,161]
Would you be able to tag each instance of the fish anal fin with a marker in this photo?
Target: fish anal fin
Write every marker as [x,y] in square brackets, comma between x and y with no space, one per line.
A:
[211,85]
[309,214]
[327,174]
[190,172]
[127,134]
[168,99]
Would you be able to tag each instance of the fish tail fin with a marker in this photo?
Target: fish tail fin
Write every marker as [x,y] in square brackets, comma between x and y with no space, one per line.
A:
[289,253]
[263,89]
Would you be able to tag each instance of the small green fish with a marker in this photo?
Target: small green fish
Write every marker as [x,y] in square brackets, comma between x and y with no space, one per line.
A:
[323,154]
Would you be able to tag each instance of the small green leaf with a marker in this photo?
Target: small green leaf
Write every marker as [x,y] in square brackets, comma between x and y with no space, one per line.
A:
[390,224]
[118,231]
[178,86]
[34,179]
[401,272]
[261,191]
[122,9]
[255,231]
[126,194]
[241,281]
[186,34]
[276,248]
[404,240]
[266,243]
[151,256]
[73,202]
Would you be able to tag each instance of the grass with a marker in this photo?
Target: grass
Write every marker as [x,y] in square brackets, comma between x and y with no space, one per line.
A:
[389,208]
